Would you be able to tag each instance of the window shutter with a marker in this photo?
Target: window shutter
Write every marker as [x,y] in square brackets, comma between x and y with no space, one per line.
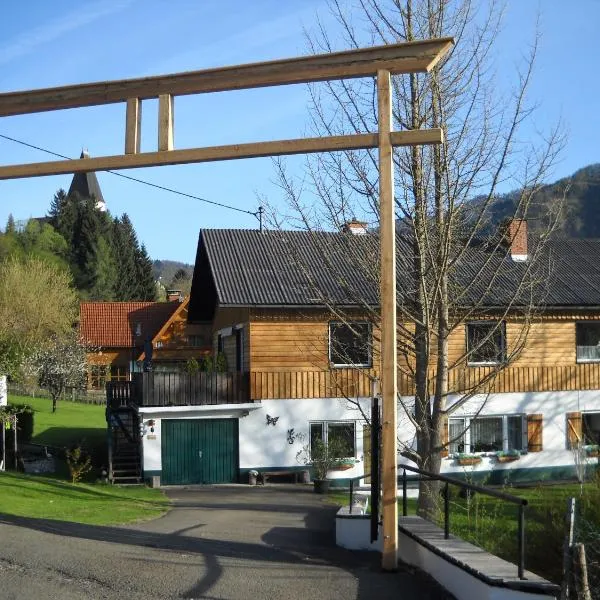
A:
[574,429]
[444,436]
[534,433]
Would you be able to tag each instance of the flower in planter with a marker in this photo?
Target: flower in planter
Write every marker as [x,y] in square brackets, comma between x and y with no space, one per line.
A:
[508,455]
[468,459]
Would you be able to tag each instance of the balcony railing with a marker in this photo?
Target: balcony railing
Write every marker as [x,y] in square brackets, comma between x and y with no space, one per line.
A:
[175,389]
[179,389]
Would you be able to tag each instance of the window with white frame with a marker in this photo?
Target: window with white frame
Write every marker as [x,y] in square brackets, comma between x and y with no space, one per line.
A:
[486,342]
[350,344]
[587,339]
[343,432]
[487,434]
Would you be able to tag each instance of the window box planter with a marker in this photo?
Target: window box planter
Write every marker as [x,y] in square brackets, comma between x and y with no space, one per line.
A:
[343,465]
[506,457]
[467,460]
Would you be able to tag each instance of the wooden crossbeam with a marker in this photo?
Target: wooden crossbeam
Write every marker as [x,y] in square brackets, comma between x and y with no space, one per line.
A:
[411,57]
[218,153]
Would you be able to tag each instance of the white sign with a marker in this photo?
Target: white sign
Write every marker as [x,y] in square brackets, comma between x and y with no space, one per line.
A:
[3,391]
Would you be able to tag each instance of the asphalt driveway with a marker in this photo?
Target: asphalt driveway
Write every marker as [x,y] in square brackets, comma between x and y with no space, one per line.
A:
[272,542]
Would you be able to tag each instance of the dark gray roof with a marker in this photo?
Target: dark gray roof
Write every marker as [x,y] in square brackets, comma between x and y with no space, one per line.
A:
[86,184]
[300,268]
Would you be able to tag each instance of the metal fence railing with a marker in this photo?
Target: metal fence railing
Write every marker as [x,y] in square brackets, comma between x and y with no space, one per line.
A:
[447,481]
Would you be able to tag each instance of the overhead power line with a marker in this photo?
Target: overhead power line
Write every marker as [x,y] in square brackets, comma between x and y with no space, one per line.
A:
[257,214]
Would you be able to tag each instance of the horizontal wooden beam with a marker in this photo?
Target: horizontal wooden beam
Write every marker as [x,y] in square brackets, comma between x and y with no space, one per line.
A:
[410,57]
[218,153]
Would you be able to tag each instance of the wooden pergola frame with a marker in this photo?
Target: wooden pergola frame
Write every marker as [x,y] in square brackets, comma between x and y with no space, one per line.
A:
[381,62]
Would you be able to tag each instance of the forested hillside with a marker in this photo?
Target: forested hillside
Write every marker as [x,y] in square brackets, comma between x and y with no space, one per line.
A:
[101,253]
[579,197]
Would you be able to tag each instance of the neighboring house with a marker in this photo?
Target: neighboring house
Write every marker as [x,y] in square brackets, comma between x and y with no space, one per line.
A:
[296,372]
[121,333]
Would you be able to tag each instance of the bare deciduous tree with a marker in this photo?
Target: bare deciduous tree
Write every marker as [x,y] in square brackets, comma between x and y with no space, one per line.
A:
[451,262]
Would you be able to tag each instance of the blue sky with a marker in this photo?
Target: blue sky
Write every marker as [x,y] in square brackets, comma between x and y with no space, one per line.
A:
[66,41]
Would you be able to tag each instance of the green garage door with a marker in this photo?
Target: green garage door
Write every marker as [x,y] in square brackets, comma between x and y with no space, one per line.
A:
[199,451]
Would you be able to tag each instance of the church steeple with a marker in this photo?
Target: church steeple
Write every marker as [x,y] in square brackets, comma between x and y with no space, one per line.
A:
[86,185]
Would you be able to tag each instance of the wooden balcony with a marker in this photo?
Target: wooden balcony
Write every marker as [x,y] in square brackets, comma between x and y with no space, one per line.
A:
[175,389]
[179,389]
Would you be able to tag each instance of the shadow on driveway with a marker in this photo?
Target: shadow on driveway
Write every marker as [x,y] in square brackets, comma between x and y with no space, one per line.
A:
[309,546]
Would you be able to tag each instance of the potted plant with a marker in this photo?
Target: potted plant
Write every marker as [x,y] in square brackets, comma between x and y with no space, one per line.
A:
[592,450]
[468,459]
[324,457]
[507,456]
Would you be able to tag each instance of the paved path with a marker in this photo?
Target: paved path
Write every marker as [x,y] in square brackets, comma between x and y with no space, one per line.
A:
[231,543]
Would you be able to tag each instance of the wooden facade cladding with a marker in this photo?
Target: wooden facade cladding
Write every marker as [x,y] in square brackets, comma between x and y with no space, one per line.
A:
[335,383]
[353,383]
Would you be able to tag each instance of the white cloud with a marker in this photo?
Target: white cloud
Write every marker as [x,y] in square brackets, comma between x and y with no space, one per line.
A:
[27,42]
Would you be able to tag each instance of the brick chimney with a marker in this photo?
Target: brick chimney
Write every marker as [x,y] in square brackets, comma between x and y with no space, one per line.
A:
[355,227]
[174,296]
[516,234]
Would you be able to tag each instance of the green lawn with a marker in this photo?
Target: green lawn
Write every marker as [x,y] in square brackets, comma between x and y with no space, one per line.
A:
[72,424]
[45,498]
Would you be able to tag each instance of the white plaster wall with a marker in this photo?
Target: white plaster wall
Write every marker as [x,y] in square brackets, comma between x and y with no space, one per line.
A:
[263,445]
[354,533]
[458,582]
[552,405]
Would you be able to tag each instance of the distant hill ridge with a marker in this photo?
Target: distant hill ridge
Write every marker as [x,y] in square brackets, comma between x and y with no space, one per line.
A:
[581,208]
[165,270]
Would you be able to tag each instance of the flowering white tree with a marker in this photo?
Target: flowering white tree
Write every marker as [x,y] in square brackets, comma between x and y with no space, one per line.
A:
[59,365]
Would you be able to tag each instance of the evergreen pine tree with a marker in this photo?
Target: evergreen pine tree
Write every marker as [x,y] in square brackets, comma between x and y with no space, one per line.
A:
[145,277]
[105,272]
[56,206]
[10,225]
[126,245]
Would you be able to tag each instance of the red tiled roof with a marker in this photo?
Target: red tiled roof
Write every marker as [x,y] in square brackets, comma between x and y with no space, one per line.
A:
[114,324]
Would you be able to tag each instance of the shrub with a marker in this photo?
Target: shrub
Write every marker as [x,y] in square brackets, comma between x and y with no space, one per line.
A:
[79,463]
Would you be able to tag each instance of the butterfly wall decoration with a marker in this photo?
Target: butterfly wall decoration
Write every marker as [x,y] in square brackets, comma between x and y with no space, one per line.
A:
[272,420]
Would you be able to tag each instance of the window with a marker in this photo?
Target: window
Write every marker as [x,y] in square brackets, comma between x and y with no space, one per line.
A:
[97,376]
[119,373]
[328,431]
[486,434]
[456,435]
[350,344]
[591,428]
[197,341]
[587,338]
[486,343]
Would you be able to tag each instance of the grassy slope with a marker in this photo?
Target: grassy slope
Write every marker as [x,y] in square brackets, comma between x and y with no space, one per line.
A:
[70,423]
[45,498]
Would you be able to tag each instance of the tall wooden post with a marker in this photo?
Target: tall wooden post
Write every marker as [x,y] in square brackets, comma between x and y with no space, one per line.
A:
[387,225]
